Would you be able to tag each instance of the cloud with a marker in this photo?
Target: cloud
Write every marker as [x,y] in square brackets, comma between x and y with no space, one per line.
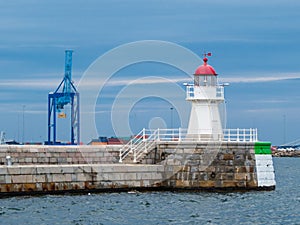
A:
[52,83]
[265,78]
[29,83]
[265,110]
[33,82]
[149,80]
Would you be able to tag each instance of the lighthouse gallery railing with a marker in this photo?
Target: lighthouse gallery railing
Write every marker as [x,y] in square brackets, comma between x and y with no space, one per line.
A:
[146,140]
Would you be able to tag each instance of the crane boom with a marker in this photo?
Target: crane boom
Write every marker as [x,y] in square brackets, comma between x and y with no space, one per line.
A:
[65,94]
[68,71]
[67,90]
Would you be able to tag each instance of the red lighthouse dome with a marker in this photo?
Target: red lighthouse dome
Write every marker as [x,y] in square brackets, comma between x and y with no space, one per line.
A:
[205,69]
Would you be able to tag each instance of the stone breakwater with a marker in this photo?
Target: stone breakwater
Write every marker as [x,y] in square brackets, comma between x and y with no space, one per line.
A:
[58,155]
[76,177]
[169,166]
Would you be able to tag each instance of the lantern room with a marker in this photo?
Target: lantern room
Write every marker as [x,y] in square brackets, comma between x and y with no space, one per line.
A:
[205,75]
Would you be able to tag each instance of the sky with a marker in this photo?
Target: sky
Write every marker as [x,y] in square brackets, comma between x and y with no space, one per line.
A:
[254,44]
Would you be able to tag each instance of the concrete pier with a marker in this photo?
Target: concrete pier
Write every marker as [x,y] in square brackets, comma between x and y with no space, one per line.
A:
[183,166]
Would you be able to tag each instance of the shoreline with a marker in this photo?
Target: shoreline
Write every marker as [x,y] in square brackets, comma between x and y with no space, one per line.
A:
[287,153]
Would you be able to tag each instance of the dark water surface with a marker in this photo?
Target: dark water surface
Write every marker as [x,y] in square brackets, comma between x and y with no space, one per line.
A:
[281,206]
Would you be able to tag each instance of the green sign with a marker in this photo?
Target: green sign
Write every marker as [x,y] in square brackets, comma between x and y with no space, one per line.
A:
[262,148]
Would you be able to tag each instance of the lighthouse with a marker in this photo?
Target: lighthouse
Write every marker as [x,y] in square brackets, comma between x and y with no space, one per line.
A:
[205,95]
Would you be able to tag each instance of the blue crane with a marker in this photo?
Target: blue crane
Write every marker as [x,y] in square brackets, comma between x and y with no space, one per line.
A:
[65,94]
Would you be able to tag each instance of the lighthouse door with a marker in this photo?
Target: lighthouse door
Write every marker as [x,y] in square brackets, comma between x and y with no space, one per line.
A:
[216,130]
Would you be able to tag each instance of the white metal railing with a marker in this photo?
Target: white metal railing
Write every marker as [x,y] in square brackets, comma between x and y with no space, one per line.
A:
[2,138]
[190,91]
[145,141]
[240,135]
[219,91]
[139,144]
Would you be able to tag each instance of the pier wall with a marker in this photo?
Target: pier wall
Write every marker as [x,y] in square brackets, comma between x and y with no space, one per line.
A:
[81,177]
[171,166]
[218,165]
[211,165]
[52,155]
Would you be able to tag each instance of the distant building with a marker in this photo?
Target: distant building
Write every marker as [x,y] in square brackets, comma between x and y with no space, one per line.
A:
[12,142]
[108,141]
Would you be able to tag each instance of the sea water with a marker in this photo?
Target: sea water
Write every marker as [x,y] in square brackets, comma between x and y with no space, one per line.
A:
[281,206]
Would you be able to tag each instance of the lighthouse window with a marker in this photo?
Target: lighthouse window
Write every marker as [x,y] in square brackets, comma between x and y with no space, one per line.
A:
[202,81]
[213,81]
[205,80]
[196,80]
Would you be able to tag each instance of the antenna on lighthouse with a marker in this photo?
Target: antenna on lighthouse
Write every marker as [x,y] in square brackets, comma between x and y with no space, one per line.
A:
[206,54]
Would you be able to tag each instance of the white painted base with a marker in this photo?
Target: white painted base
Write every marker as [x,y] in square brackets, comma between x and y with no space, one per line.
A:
[205,119]
[265,170]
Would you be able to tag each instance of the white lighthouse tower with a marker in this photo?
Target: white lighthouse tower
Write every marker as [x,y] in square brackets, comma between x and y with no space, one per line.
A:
[205,95]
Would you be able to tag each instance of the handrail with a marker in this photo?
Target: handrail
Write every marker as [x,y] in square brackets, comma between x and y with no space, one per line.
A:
[129,147]
[139,144]
[146,145]
[145,140]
